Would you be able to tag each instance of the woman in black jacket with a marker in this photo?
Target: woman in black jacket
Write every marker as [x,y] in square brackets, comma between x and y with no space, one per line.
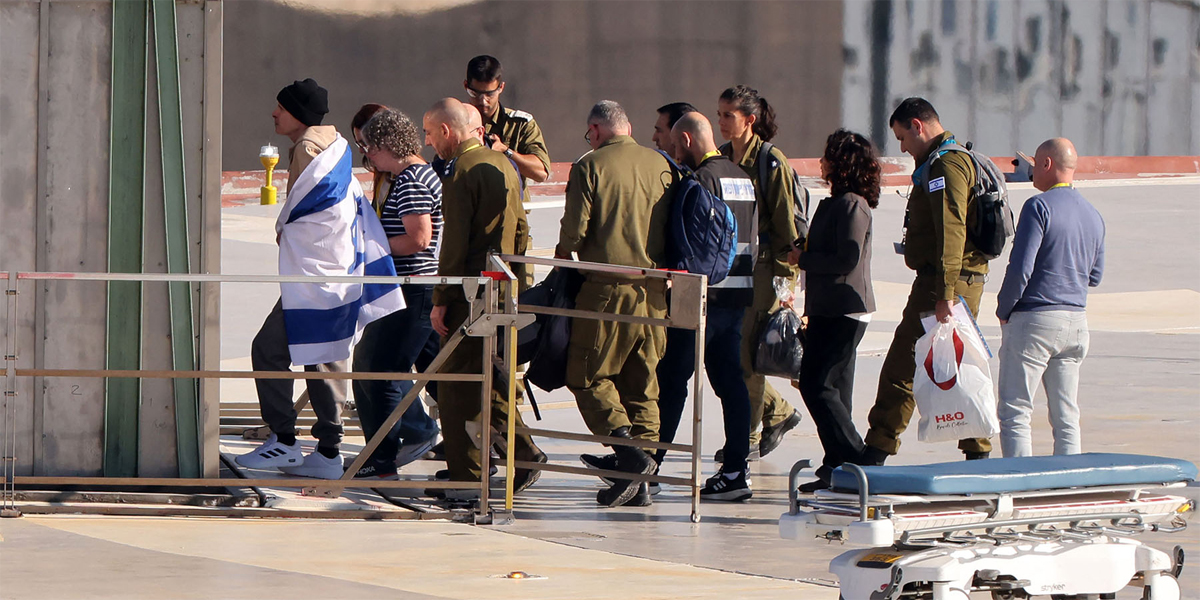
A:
[838,300]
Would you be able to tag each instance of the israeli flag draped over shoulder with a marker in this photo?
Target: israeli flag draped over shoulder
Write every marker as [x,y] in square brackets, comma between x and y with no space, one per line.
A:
[327,227]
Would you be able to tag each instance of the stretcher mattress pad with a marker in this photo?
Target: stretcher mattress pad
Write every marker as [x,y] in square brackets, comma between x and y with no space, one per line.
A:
[1024,474]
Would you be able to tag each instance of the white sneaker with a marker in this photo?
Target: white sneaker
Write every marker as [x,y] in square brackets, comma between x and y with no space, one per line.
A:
[272,454]
[411,452]
[318,466]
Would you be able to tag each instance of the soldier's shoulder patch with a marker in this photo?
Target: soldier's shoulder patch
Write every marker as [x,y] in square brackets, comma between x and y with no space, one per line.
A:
[937,184]
[519,114]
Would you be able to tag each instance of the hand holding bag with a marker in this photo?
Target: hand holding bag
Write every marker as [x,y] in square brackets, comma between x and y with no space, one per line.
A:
[953,385]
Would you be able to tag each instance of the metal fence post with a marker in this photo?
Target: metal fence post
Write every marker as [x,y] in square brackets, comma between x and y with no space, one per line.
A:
[484,512]
[8,506]
[698,398]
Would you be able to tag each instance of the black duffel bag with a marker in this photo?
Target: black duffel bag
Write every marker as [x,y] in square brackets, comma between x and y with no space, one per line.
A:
[780,345]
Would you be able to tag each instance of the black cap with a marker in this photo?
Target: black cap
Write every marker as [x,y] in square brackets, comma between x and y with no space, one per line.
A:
[306,100]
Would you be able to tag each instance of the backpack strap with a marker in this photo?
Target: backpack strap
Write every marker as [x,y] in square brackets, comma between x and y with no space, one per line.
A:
[764,169]
[679,171]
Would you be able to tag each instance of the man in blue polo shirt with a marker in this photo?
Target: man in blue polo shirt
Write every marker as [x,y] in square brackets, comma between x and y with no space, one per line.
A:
[1058,253]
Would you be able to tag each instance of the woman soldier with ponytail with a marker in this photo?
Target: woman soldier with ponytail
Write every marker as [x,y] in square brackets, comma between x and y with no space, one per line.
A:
[747,122]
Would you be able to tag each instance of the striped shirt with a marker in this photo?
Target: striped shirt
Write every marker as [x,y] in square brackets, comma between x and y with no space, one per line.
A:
[416,191]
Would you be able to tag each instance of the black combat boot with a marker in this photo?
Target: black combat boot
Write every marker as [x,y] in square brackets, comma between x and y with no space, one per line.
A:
[629,460]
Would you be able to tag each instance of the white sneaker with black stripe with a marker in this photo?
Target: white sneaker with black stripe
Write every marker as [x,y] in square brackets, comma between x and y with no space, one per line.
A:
[272,454]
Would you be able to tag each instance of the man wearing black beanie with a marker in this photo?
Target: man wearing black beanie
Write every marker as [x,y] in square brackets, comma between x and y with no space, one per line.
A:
[302,107]
[305,100]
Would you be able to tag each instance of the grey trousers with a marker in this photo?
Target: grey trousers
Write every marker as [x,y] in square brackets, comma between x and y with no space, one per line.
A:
[269,352]
[1044,347]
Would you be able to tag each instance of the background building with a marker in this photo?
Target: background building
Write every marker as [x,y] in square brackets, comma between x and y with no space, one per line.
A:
[1120,77]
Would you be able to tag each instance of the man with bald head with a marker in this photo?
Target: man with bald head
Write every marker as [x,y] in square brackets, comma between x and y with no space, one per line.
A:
[481,206]
[692,139]
[1058,253]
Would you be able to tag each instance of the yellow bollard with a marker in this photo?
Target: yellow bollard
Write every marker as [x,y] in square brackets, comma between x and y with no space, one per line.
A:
[269,157]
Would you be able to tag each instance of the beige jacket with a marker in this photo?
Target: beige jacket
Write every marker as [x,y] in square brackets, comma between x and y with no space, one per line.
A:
[314,141]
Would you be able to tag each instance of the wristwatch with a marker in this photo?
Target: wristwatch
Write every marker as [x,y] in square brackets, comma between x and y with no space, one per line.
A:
[509,152]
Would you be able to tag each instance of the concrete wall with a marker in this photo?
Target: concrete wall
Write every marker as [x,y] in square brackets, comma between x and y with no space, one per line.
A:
[559,59]
[1119,77]
[55,64]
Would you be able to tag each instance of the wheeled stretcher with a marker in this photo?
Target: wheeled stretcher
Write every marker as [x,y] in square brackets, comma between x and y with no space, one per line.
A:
[1057,526]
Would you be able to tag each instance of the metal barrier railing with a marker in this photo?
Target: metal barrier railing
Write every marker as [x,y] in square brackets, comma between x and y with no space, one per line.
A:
[687,308]
[483,321]
[496,307]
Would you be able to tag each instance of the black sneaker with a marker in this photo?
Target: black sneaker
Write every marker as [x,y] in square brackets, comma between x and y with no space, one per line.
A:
[608,462]
[872,457]
[719,456]
[720,487]
[444,474]
[772,435]
[812,486]
[373,471]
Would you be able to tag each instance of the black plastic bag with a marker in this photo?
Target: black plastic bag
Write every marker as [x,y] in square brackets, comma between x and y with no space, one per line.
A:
[780,345]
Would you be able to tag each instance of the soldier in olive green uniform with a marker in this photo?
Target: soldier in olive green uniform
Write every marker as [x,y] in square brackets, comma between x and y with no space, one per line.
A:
[481,203]
[746,120]
[947,266]
[616,212]
[510,131]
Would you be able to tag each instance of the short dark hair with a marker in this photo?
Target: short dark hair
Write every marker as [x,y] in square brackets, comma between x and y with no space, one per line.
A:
[675,111]
[484,69]
[914,108]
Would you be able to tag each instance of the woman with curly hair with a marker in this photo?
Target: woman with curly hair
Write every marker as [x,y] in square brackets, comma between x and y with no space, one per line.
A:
[839,300]
[411,214]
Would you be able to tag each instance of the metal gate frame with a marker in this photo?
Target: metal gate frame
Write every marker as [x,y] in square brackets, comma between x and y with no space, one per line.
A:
[483,322]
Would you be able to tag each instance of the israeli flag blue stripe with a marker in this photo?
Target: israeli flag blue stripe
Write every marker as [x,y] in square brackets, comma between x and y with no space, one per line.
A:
[327,192]
[327,228]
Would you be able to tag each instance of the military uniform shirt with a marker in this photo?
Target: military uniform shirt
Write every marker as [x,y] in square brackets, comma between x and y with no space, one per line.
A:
[481,201]
[618,205]
[518,131]
[935,241]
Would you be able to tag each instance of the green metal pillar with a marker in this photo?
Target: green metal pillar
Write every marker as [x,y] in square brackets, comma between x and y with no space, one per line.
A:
[175,198]
[127,177]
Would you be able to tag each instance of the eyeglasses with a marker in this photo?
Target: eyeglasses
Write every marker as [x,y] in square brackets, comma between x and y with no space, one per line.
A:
[587,135]
[474,93]
[361,147]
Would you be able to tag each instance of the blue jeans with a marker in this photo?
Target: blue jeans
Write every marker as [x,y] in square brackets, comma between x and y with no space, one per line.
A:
[723,363]
[392,344]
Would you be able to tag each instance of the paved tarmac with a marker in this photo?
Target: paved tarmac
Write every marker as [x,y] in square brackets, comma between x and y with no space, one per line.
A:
[1140,393]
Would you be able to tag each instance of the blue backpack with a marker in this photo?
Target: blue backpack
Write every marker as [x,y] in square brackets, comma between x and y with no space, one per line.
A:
[702,235]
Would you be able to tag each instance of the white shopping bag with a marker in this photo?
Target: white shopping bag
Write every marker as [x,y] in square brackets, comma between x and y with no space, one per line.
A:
[953,385]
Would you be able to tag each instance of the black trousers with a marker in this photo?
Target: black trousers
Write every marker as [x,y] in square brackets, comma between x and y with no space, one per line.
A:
[827,385]
[723,364]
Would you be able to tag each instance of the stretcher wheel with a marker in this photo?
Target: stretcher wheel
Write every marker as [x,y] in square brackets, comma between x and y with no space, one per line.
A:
[1009,594]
